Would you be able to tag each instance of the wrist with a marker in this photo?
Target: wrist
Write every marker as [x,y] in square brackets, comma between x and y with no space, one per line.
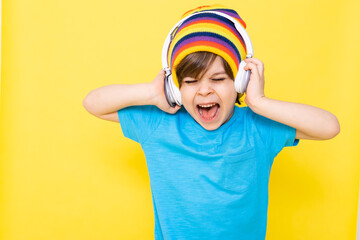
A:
[152,94]
[258,105]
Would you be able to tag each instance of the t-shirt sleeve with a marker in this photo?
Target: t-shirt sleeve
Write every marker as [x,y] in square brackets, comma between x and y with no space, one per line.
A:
[274,134]
[139,122]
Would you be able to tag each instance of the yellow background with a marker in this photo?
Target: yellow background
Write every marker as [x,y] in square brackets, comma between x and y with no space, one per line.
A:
[66,174]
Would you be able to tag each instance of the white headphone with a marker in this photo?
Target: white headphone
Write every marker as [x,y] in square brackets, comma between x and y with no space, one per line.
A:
[242,78]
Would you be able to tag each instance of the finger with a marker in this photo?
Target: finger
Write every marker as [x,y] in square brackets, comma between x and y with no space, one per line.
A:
[253,68]
[174,109]
[254,60]
[259,64]
[161,75]
[171,109]
[162,72]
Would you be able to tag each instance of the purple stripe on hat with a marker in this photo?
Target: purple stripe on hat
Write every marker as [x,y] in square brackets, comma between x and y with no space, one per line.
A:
[186,23]
[234,15]
[204,38]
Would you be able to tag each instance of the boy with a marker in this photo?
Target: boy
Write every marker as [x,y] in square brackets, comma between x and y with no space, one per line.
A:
[209,163]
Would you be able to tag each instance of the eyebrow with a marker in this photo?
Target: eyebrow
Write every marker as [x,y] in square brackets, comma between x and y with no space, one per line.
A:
[217,73]
[214,74]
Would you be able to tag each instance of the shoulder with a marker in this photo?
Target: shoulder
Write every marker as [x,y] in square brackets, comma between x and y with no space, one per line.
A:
[251,120]
[243,113]
[140,109]
[252,116]
[140,114]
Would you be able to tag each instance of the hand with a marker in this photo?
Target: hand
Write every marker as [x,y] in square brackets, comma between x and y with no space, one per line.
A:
[159,94]
[255,88]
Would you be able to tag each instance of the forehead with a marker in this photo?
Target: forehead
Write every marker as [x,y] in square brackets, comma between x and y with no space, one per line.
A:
[215,68]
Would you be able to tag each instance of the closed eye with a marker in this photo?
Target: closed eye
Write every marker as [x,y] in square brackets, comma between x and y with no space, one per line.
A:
[190,81]
[218,79]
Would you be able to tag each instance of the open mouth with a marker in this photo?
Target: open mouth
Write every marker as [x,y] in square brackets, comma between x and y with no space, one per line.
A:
[208,112]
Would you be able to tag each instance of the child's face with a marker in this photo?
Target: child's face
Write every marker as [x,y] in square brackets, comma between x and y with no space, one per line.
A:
[209,100]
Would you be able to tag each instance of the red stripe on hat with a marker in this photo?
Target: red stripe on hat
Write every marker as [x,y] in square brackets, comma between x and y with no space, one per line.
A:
[241,22]
[198,8]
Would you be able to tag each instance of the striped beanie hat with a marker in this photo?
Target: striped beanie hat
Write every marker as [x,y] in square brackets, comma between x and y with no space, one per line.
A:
[208,32]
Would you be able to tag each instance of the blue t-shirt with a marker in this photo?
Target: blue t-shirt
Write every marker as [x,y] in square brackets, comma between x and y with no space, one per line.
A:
[207,184]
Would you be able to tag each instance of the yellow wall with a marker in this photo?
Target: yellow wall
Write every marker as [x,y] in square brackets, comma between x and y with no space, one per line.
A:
[66,174]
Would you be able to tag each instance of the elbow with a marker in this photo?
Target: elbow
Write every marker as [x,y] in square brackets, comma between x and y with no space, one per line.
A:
[91,104]
[335,129]
[331,130]
[88,103]
[84,103]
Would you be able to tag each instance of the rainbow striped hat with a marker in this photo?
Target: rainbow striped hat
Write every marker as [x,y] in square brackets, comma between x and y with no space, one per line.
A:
[208,32]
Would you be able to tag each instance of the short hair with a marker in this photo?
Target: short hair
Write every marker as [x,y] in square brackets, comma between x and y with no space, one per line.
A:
[196,64]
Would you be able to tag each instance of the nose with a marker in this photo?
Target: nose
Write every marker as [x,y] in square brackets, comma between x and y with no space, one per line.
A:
[205,88]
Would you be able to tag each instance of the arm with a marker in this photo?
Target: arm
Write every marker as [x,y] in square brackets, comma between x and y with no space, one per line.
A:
[104,102]
[310,122]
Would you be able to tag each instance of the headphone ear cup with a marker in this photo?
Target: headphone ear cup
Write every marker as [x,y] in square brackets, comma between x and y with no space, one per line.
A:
[167,90]
[176,93]
[172,93]
[242,78]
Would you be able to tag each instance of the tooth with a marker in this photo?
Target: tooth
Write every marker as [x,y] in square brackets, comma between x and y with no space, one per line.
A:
[207,105]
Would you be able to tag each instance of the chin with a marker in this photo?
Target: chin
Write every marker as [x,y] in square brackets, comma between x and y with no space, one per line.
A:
[210,128]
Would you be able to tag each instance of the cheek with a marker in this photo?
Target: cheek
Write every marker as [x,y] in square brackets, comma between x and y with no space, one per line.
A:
[186,100]
[228,91]
[185,96]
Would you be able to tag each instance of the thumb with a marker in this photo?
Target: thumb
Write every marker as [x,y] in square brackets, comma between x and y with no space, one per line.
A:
[174,109]
[161,73]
